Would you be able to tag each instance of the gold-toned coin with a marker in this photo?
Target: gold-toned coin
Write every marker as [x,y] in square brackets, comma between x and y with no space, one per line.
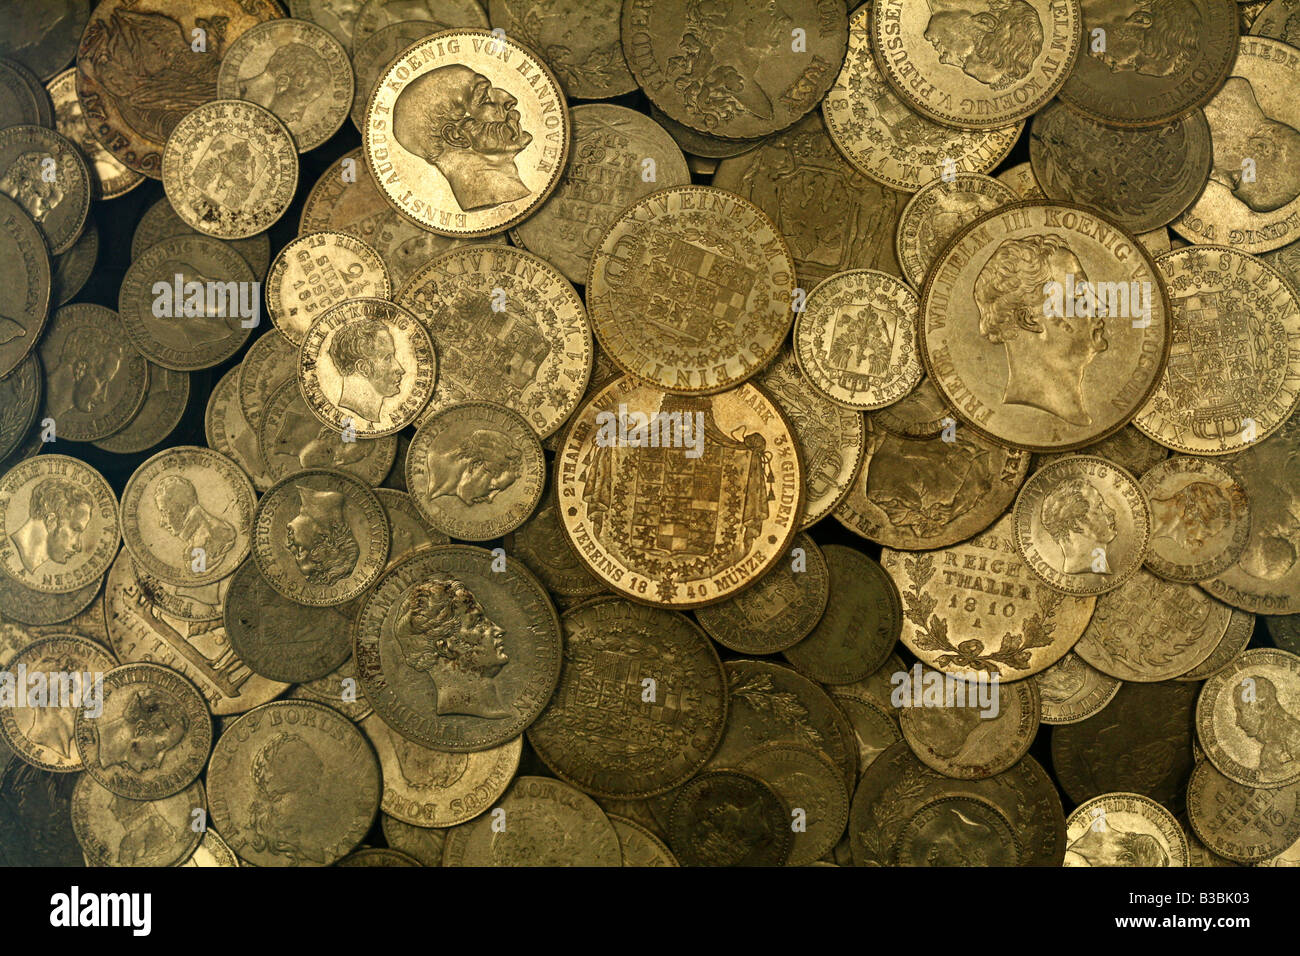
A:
[317,271]
[196,322]
[1239,822]
[1219,394]
[160,222]
[59,518]
[371,55]
[186,603]
[151,736]
[780,610]
[855,340]
[882,136]
[1153,64]
[916,494]
[691,289]
[228,432]
[38,720]
[73,269]
[737,71]
[367,367]
[875,725]
[976,67]
[212,851]
[25,285]
[618,156]
[293,783]
[230,169]
[118,831]
[164,405]
[1253,195]
[22,100]
[1247,717]
[937,212]
[699,838]
[509,328]
[21,394]
[187,515]
[297,71]
[970,732]
[320,537]
[338,690]
[971,610]
[832,439]
[1149,629]
[640,845]
[1020,178]
[806,780]
[292,439]
[339,17]
[672,524]
[109,178]
[702,150]
[430,788]
[411,532]
[467,133]
[1241,628]
[22,605]
[375,15]
[541,545]
[95,381]
[1144,178]
[1082,525]
[454,655]
[579,38]
[1133,831]
[1128,448]
[269,362]
[475,470]
[922,413]
[1200,518]
[57,205]
[1072,690]
[420,843]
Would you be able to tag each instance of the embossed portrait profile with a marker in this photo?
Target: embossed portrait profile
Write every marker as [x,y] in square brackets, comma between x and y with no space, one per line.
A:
[921,492]
[58,514]
[142,735]
[50,727]
[1269,724]
[425,769]
[445,633]
[475,469]
[144,831]
[287,802]
[24,184]
[181,516]
[320,539]
[1192,515]
[458,122]
[80,373]
[1148,37]
[1243,131]
[993,41]
[292,80]
[1117,847]
[365,357]
[1274,545]
[1047,355]
[1077,518]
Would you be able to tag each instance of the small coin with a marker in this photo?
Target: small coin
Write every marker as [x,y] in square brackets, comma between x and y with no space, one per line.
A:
[59,518]
[917,494]
[548,823]
[541,545]
[1144,178]
[672,724]
[25,280]
[294,69]
[1240,822]
[317,271]
[280,639]
[639,845]
[108,177]
[293,439]
[27,606]
[21,394]
[1134,831]
[41,732]
[691,289]
[875,726]
[212,851]
[883,137]
[969,733]
[972,610]
[939,210]
[618,156]
[578,38]
[187,514]
[371,55]
[293,783]
[1020,178]
[36,818]
[29,157]
[483,181]
[174,328]
[1072,690]
[160,222]
[95,380]
[475,470]
[1082,525]
[73,269]
[780,610]
[339,690]
[1241,627]
[1247,716]
[230,169]
[227,431]
[320,537]
[855,340]
[375,15]
[151,736]
[810,785]
[454,655]
[164,405]
[1200,518]
[117,831]
[420,843]
[729,818]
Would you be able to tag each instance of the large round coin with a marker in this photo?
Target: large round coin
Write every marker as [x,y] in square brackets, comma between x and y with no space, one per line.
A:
[1200,518]
[729,818]
[317,271]
[45,173]
[455,655]
[95,381]
[1248,716]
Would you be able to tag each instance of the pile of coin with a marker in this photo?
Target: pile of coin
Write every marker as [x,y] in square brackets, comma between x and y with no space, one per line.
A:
[651,432]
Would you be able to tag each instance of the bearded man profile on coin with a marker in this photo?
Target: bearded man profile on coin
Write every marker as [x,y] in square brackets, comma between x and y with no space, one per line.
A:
[476,469]
[995,42]
[1263,719]
[293,79]
[24,183]
[319,538]
[1243,131]
[1116,847]
[466,128]
[1149,37]
[445,633]
[143,735]
[365,357]
[286,776]
[1047,354]
[181,516]
[58,513]
[88,361]
[1077,518]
